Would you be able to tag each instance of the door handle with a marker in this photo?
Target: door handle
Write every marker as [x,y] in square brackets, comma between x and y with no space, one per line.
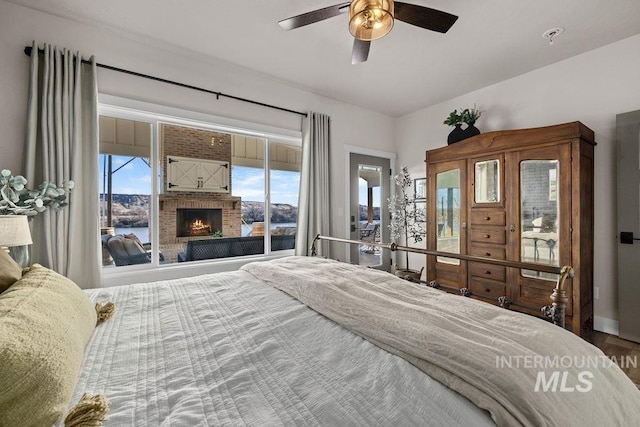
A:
[627,238]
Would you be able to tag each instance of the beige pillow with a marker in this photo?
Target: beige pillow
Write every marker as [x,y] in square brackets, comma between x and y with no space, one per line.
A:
[132,236]
[46,321]
[10,272]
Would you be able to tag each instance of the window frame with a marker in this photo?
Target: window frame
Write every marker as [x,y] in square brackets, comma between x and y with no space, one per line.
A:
[156,115]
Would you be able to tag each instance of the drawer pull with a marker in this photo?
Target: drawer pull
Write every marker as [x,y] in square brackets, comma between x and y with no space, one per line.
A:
[487,236]
[488,273]
[488,290]
[488,218]
[487,253]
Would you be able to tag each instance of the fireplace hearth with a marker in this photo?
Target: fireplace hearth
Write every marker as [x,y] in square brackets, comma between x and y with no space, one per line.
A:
[198,222]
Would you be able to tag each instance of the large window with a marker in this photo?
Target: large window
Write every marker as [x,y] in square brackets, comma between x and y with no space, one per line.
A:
[217,195]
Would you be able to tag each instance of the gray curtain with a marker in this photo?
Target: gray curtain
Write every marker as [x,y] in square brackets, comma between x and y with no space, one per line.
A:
[313,204]
[62,145]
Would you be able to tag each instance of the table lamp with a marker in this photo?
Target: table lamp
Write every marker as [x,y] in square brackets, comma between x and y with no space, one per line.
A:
[16,235]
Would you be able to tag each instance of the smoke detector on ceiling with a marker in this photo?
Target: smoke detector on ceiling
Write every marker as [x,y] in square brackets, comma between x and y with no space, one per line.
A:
[552,34]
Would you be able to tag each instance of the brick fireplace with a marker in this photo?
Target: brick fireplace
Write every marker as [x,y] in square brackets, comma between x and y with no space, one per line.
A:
[230,209]
[198,222]
[195,144]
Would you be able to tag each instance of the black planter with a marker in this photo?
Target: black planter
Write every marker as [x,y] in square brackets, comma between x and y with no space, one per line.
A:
[457,134]
[470,131]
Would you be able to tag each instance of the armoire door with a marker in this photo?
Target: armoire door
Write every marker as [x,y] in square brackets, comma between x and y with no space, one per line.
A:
[539,222]
[447,222]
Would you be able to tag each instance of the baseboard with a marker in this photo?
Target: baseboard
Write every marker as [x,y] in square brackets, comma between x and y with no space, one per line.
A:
[604,324]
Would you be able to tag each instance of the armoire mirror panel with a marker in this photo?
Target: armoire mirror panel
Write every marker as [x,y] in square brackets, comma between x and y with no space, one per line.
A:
[487,181]
[539,215]
[448,208]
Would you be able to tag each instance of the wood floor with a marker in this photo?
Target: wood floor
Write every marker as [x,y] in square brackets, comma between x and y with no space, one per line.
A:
[616,347]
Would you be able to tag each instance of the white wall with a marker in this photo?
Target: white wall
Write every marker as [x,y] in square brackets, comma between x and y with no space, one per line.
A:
[19,26]
[592,88]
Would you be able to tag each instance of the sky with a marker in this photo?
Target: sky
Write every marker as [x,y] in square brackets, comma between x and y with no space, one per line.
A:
[362,193]
[135,178]
[248,183]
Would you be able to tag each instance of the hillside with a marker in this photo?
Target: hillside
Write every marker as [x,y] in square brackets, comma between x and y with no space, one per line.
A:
[363,213]
[127,210]
[280,212]
[132,210]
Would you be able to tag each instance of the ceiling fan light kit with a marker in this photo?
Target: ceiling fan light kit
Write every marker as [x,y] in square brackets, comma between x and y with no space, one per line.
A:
[370,19]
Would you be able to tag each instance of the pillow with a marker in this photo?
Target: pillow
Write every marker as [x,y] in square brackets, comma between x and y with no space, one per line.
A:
[132,236]
[123,247]
[46,321]
[10,272]
[132,247]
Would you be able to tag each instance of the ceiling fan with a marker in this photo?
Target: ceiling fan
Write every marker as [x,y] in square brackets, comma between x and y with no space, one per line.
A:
[372,19]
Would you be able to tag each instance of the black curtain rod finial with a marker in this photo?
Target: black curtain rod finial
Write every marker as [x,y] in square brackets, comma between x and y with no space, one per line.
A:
[28,51]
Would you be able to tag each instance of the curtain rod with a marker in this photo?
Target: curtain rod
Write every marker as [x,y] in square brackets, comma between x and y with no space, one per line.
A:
[27,51]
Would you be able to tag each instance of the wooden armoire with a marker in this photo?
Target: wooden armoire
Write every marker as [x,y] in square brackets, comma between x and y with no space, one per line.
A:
[519,195]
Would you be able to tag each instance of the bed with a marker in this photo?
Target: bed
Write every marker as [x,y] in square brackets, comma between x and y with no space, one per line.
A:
[310,341]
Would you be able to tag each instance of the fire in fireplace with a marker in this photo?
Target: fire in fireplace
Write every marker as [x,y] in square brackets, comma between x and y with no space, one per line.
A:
[198,222]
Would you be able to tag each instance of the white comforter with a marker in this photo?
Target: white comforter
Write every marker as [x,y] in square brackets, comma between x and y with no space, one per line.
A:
[227,349]
[460,341]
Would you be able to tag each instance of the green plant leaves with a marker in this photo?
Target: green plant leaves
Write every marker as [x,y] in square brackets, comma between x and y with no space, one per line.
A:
[16,199]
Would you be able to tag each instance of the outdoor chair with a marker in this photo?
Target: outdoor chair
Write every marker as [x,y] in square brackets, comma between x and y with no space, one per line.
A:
[126,250]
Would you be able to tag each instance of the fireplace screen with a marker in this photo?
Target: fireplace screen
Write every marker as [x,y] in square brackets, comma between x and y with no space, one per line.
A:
[198,222]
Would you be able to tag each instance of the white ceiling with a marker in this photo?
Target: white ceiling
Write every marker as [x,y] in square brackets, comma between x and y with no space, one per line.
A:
[409,69]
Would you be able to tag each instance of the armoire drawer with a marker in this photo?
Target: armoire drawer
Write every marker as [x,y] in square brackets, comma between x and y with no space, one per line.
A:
[487,288]
[488,251]
[488,217]
[487,271]
[495,235]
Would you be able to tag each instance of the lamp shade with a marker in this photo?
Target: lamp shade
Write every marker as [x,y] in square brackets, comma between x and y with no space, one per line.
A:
[14,230]
[370,19]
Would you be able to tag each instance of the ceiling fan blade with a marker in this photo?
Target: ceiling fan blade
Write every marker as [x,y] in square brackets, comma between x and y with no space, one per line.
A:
[360,51]
[314,16]
[424,17]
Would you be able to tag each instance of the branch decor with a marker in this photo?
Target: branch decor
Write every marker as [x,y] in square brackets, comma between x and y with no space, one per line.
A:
[406,220]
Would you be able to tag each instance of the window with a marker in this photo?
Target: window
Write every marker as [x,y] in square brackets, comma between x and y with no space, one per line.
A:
[125,191]
[218,194]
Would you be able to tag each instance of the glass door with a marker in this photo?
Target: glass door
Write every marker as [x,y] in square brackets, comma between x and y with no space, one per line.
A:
[369,217]
[448,214]
[539,215]
[539,220]
[447,222]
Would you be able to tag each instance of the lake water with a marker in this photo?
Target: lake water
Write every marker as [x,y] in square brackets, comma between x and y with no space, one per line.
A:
[143,232]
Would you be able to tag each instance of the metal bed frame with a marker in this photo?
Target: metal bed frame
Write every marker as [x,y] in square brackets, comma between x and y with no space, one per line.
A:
[554,312]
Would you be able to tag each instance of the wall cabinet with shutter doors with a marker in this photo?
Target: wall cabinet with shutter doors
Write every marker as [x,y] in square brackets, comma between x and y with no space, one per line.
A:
[186,174]
[523,195]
